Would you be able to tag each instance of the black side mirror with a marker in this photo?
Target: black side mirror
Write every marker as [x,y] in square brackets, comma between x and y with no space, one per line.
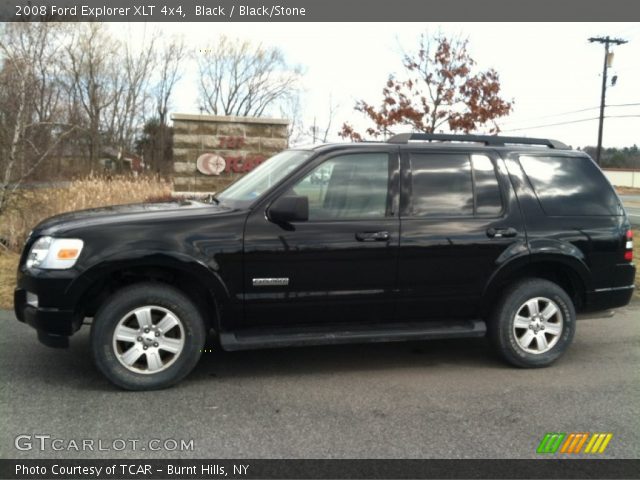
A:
[287,209]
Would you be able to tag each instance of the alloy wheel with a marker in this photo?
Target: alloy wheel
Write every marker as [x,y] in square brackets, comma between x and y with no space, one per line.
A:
[148,339]
[538,324]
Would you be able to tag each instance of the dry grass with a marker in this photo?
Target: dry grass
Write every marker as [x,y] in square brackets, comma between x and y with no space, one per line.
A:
[628,191]
[8,267]
[26,208]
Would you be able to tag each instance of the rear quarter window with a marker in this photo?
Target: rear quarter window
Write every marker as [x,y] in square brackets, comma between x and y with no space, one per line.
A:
[570,186]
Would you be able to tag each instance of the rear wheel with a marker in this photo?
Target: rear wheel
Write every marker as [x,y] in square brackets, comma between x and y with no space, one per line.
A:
[533,324]
[147,336]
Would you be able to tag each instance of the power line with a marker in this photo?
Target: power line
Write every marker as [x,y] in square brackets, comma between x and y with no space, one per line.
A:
[574,111]
[623,105]
[582,120]
[550,125]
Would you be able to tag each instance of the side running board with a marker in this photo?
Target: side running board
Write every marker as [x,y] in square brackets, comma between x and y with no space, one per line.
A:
[331,335]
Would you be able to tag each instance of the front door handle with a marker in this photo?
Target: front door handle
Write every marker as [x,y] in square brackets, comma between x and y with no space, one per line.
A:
[372,236]
[502,232]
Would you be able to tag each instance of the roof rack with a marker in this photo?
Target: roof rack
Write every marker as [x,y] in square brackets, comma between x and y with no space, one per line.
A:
[489,140]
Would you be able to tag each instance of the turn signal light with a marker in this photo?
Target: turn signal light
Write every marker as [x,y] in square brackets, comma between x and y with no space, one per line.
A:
[67,253]
[628,246]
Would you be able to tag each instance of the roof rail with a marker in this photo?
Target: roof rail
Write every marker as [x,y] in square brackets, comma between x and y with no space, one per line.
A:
[489,140]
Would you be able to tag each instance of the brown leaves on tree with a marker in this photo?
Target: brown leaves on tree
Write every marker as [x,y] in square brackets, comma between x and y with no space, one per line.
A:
[441,91]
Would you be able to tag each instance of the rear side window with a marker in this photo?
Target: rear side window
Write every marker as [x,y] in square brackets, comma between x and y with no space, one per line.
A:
[441,185]
[485,182]
[454,185]
[570,186]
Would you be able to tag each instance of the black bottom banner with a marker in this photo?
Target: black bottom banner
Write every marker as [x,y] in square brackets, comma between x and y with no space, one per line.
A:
[320,469]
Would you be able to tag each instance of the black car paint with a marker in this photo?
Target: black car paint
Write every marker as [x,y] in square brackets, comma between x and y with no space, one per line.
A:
[457,250]
[427,269]
[339,292]
[591,245]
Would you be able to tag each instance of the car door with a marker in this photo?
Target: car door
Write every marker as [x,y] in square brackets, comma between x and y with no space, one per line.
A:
[338,266]
[458,217]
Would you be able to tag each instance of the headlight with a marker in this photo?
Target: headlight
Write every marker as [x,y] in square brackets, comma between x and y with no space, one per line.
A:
[54,253]
[38,252]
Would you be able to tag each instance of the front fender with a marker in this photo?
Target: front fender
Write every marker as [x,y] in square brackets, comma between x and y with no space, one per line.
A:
[128,259]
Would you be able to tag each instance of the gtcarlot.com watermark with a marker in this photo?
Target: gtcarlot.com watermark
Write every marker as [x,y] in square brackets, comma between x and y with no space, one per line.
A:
[46,443]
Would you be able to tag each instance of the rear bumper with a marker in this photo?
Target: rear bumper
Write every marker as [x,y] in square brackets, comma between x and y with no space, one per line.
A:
[608,298]
[616,292]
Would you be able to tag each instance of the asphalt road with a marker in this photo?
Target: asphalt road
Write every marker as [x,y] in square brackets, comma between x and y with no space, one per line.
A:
[632,206]
[421,400]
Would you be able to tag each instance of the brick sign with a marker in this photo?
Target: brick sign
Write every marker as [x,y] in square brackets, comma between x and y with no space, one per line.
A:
[210,152]
[215,164]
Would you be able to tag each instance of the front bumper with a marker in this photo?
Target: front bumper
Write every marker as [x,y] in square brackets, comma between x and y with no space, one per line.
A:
[55,317]
[47,319]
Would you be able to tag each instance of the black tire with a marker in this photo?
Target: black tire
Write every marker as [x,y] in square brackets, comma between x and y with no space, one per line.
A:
[191,331]
[509,341]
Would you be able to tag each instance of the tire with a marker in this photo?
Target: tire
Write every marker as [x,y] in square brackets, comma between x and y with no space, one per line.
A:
[147,336]
[525,329]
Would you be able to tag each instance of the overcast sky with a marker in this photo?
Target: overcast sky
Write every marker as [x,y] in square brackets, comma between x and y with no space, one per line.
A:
[548,69]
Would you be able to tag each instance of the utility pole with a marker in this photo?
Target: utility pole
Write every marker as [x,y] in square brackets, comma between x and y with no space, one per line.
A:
[606,41]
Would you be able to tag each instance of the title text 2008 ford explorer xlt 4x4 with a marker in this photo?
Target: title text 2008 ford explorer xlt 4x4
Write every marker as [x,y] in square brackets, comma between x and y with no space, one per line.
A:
[420,237]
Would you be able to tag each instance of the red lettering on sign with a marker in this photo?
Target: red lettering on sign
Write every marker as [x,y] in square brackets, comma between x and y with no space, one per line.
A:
[238,164]
[231,143]
[233,164]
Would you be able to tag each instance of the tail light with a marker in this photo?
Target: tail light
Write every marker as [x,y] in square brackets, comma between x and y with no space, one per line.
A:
[628,246]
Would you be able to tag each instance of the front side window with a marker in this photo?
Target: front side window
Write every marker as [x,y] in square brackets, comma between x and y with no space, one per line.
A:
[347,187]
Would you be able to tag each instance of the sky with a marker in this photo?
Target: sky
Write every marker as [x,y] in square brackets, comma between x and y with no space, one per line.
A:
[550,70]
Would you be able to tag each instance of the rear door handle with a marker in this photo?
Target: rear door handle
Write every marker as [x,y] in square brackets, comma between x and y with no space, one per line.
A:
[372,236]
[501,232]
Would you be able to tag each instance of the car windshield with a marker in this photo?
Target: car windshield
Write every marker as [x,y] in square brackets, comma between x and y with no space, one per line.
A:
[247,189]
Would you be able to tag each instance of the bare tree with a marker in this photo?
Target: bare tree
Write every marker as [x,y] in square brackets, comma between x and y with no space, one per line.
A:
[301,132]
[30,123]
[170,59]
[291,109]
[244,79]
[95,80]
[125,116]
[69,90]
[320,134]
[171,56]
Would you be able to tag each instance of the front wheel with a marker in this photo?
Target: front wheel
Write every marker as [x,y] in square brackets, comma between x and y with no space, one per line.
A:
[533,324]
[147,336]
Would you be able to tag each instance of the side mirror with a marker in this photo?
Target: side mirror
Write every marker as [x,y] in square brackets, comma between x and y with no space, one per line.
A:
[289,209]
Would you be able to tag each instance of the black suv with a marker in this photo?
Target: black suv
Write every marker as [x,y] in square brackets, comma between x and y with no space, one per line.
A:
[420,237]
